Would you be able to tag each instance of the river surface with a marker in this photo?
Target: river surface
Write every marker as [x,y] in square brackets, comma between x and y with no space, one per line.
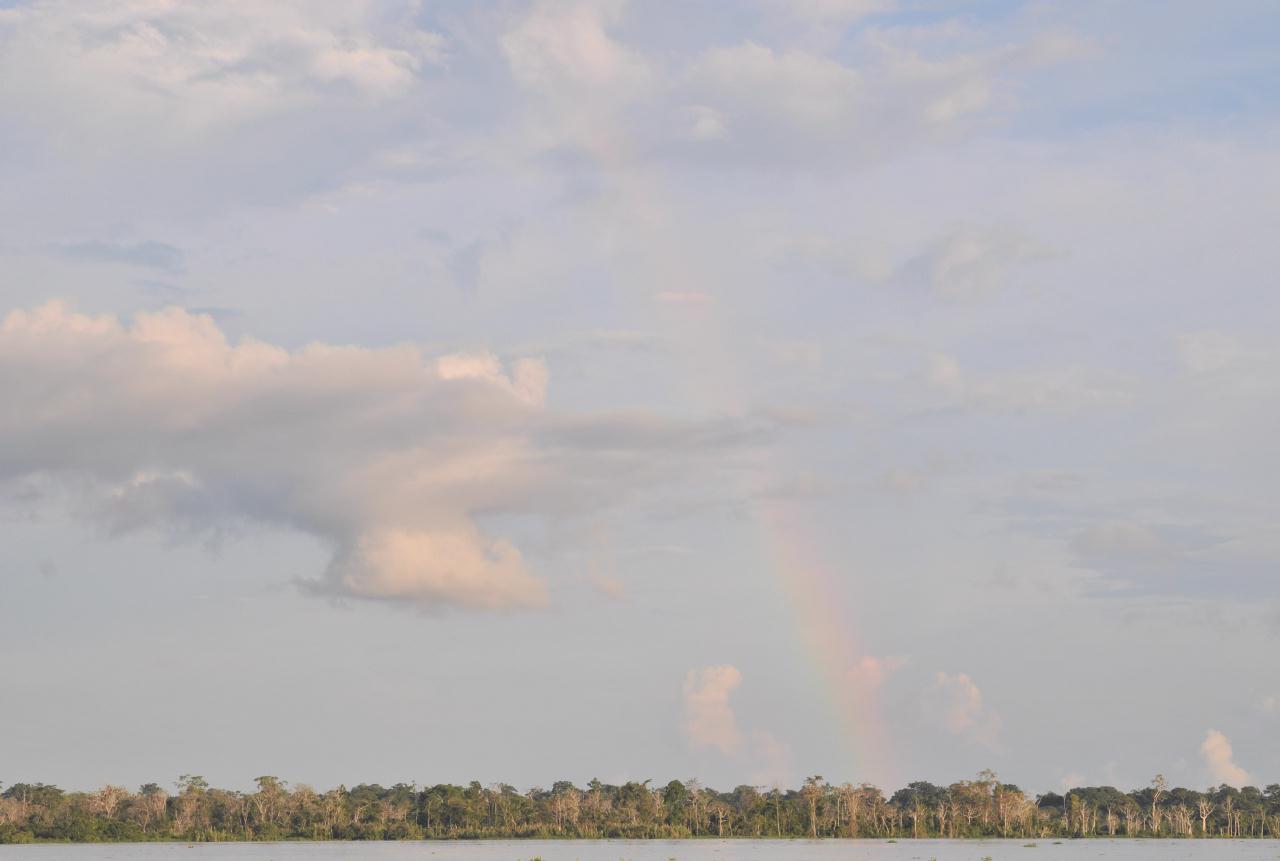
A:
[665,850]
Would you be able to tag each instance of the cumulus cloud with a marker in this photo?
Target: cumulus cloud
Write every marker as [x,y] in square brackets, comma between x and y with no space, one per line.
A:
[870,672]
[390,457]
[1218,760]
[709,720]
[955,703]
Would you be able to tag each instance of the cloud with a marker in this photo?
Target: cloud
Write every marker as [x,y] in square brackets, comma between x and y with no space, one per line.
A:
[884,89]
[706,124]
[689,299]
[1270,705]
[450,565]
[1120,540]
[390,457]
[870,672]
[150,254]
[709,720]
[1053,390]
[1072,780]
[971,262]
[1217,755]
[272,102]
[563,49]
[954,703]
[774,763]
[755,83]
[200,67]
[1206,352]
[580,77]
[610,587]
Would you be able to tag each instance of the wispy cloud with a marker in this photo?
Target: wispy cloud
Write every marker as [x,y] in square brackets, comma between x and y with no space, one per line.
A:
[150,254]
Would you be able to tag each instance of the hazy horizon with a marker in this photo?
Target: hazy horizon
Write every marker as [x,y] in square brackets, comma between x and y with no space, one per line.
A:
[526,391]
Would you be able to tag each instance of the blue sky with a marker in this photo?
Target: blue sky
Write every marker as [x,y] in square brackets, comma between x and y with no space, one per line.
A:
[539,391]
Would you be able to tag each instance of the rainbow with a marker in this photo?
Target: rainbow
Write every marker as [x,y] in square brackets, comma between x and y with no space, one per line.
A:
[813,586]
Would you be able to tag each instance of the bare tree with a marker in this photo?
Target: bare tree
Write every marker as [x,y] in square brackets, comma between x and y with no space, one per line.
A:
[1159,789]
[107,800]
[811,792]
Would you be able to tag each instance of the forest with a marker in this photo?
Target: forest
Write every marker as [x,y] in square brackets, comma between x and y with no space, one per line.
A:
[983,807]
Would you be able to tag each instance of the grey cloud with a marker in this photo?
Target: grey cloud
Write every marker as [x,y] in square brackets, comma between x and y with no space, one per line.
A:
[149,254]
[971,262]
[1052,390]
[631,431]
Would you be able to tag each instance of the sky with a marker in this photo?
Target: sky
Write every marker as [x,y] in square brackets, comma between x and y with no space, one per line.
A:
[413,391]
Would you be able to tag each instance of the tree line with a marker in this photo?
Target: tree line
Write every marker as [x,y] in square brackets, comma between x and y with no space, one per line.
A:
[983,807]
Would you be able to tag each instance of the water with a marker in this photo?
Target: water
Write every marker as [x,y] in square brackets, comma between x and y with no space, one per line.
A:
[669,850]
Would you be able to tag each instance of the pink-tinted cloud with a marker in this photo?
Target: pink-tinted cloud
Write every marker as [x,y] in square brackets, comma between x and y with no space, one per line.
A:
[1219,760]
[709,720]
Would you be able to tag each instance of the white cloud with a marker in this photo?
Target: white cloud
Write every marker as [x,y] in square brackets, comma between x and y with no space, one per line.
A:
[706,124]
[384,454]
[955,703]
[188,69]
[581,77]
[1270,705]
[564,49]
[709,720]
[388,456]
[1072,780]
[450,565]
[803,90]
[1217,754]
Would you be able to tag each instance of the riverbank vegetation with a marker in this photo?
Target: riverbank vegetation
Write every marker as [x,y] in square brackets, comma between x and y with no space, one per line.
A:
[984,807]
